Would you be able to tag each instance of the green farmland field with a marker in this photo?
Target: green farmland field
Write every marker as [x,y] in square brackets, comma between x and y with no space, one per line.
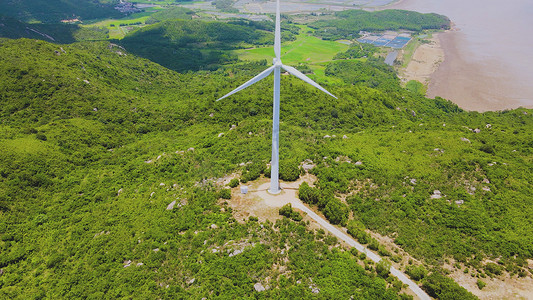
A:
[305,49]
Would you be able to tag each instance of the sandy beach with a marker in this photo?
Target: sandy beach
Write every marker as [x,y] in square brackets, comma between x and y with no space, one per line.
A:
[468,76]
[425,61]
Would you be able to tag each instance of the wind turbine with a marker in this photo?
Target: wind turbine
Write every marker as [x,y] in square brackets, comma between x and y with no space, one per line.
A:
[277,65]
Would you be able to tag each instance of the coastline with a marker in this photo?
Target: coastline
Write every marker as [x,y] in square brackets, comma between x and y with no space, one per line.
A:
[473,84]
[425,61]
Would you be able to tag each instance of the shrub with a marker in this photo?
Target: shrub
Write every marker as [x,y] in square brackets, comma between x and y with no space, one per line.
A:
[493,268]
[224,194]
[308,194]
[480,284]
[416,272]
[234,182]
[383,268]
[442,287]
[287,211]
[41,137]
[336,212]
[289,170]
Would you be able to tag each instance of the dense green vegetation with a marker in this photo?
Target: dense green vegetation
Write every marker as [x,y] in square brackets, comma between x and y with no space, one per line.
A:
[53,11]
[192,45]
[347,24]
[170,14]
[96,144]
[357,50]
[56,33]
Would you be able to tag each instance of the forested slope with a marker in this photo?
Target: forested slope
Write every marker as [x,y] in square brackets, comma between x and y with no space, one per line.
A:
[96,142]
[184,45]
[53,11]
[348,23]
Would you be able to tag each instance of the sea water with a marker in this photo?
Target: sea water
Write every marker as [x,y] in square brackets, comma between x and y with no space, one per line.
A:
[495,35]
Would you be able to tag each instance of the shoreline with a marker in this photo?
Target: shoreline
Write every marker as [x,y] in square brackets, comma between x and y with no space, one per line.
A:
[424,61]
[472,84]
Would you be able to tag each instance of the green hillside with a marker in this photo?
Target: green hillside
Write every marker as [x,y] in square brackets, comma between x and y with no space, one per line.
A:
[184,45]
[53,11]
[96,142]
[55,33]
[347,24]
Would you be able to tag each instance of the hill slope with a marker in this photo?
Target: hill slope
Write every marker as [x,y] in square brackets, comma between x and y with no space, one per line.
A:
[53,11]
[97,142]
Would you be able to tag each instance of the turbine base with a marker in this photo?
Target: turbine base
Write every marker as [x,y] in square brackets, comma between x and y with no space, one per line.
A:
[274,192]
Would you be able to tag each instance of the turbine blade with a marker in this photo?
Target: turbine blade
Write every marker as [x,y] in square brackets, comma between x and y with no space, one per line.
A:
[277,33]
[248,83]
[298,74]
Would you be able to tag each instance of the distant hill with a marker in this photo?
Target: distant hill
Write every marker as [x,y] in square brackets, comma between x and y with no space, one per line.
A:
[53,11]
[347,24]
[184,45]
[55,33]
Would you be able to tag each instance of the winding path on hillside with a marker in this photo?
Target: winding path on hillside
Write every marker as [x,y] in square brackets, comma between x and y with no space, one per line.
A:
[289,195]
[350,241]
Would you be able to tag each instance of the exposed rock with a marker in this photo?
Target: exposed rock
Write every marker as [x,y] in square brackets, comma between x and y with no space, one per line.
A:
[314,289]
[436,194]
[358,163]
[259,287]
[465,140]
[190,149]
[327,136]
[250,133]
[191,281]
[171,205]
[148,161]
[413,181]
[477,130]
[214,226]
[413,113]
[119,192]
[212,115]
[345,136]
[220,134]
[151,194]
[233,127]
[139,264]
[95,109]
[161,184]
[86,81]
[488,126]
[486,188]
[236,252]
[308,165]
[127,263]
[459,202]
[156,250]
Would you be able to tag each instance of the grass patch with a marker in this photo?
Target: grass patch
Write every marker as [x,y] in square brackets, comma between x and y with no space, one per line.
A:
[305,49]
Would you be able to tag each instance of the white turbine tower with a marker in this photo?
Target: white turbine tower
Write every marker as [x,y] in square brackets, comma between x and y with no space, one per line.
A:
[274,166]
